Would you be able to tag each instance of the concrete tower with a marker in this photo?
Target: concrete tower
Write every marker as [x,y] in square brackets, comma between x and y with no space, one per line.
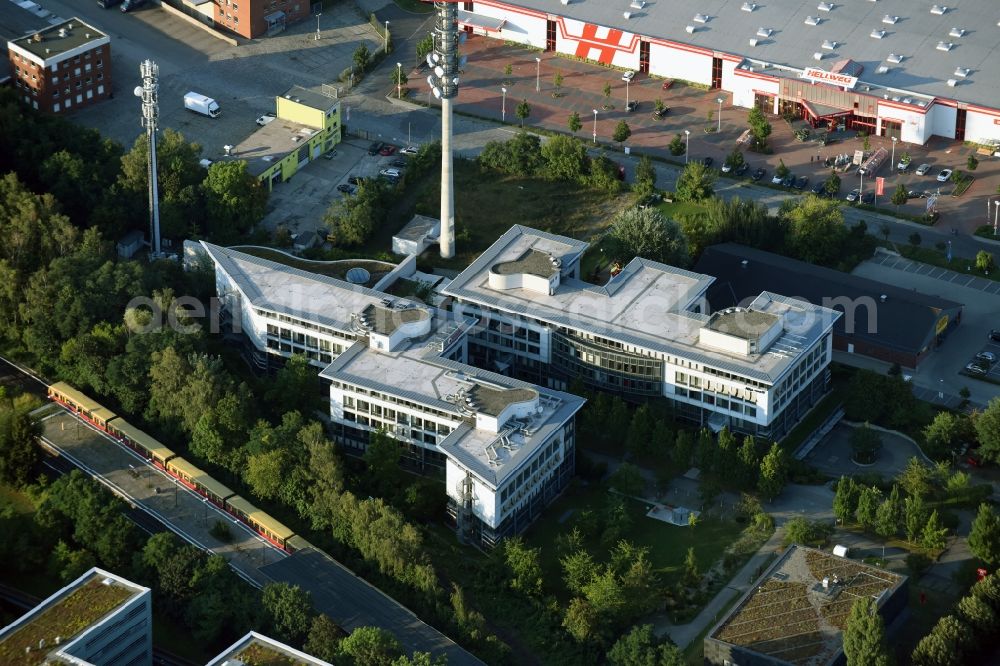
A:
[148,93]
[444,84]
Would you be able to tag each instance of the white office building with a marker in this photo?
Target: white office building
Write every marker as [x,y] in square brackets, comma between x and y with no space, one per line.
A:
[647,333]
[99,619]
[505,448]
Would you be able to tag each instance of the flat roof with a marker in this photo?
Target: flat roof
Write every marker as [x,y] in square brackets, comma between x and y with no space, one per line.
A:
[532,262]
[256,648]
[646,305]
[48,43]
[311,98]
[270,144]
[385,320]
[741,323]
[310,296]
[788,614]
[16,21]
[792,42]
[66,614]
[417,373]
[905,320]
[418,228]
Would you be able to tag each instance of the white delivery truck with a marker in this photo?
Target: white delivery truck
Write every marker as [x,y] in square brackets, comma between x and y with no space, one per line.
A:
[199,103]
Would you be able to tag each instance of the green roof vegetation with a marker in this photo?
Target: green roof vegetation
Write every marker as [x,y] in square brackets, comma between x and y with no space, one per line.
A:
[65,618]
[335,269]
[257,654]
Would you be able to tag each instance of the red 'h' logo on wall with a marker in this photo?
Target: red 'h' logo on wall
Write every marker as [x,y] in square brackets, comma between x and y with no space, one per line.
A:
[606,46]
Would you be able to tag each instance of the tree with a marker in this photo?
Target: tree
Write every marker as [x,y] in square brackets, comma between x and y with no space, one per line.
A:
[816,231]
[916,478]
[264,472]
[984,536]
[696,183]
[640,647]
[574,124]
[832,185]
[691,575]
[324,638]
[934,535]
[525,566]
[781,169]
[353,218]
[522,111]
[382,457]
[18,452]
[915,239]
[978,614]
[867,144]
[865,443]
[864,635]
[972,163]
[889,515]
[578,570]
[759,128]
[424,46]
[557,81]
[295,387]
[645,177]
[807,532]
[868,503]
[942,434]
[987,425]
[580,619]
[899,196]
[371,646]
[607,96]
[914,517]
[628,480]
[984,261]
[361,57]
[845,501]
[565,158]
[508,71]
[945,645]
[622,132]
[734,159]
[235,200]
[773,472]
[289,609]
[398,77]
[647,234]
[676,146]
[639,438]
[749,464]
[659,107]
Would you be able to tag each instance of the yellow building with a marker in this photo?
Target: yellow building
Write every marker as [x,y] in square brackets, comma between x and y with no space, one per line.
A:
[307,126]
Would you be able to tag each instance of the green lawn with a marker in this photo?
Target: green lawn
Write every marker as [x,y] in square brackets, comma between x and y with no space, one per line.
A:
[679,209]
[667,544]
[488,203]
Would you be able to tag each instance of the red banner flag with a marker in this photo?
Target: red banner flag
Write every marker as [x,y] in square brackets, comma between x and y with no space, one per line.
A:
[880,186]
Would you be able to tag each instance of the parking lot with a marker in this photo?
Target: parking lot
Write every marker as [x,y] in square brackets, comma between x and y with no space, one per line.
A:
[243,79]
[988,363]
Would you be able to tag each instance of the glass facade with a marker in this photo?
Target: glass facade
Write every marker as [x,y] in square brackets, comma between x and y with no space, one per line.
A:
[606,364]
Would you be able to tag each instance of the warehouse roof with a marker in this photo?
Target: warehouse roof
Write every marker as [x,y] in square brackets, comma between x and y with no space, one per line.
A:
[725,26]
[905,320]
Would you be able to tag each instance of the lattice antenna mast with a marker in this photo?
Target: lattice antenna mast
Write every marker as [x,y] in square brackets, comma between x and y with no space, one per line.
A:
[148,93]
[444,84]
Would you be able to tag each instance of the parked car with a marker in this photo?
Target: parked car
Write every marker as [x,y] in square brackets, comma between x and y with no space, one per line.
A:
[329,155]
[741,169]
[409,150]
[868,198]
[387,150]
[903,166]
[707,161]
[356,180]
[788,181]
[923,169]
[801,182]
[995,335]
[819,189]
[265,119]
[726,167]
[976,368]
[129,5]
[391,173]
[398,163]
[989,357]
[776,180]
[944,175]
[853,195]
[632,105]
[758,173]
[628,76]
[375,147]
[651,200]
[916,194]
[662,112]
[346,188]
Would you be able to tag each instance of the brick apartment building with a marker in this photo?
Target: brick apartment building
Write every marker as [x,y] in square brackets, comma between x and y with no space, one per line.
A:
[63,67]
[258,18]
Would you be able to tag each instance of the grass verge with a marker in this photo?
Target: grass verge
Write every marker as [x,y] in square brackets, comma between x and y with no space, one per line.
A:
[937,258]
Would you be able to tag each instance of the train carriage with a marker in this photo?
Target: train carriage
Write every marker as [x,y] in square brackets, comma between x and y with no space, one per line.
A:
[263,523]
[144,443]
[213,490]
[297,543]
[90,409]
[184,471]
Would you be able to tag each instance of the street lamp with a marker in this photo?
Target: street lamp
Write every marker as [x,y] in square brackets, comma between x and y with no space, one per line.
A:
[861,187]
[538,73]
[595,127]
[317,26]
[503,106]
[626,94]
[687,144]
[892,160]
[399,80]
[720,100]
[204,500]
[386,47]
[996,214]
